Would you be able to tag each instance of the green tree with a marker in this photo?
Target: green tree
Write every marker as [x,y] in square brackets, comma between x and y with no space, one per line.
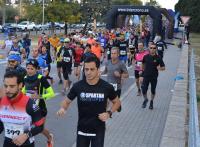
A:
[190,8]
[152,3]
[33,12]
[56,11]
[10,13]
[126,2]
[59,11]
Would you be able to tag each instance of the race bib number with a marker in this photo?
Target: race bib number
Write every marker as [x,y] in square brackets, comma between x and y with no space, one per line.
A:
[13,130]
[139,64]
[108,52]
[30,92]
[122,52]
[114,85]
[66,59]
[159,48]
[102,44]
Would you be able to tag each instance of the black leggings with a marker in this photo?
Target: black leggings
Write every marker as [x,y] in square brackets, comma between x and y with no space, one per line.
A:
[145,85]
[10,144]
[66,72]
[96,141]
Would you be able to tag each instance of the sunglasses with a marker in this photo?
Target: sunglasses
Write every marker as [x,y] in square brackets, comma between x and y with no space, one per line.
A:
[152,47]
[31,62]
[11,61]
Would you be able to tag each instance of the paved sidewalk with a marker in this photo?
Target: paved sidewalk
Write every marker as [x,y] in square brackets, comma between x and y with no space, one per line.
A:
[137,127]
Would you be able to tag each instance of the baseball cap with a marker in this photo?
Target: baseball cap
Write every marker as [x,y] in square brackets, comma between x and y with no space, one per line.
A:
[62,40]
[33,62]
[66,40]
[14,57]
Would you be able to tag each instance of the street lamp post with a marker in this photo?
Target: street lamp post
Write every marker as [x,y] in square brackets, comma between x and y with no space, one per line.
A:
[42,12]
[20,8]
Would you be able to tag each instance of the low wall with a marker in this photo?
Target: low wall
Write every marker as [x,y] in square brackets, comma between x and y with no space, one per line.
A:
[174,134]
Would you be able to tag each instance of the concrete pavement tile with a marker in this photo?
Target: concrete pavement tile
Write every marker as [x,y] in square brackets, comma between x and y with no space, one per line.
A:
[171,142]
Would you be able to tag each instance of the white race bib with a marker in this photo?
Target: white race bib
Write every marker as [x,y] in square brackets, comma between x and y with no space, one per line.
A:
[66,59]
[13,130]
[139,64]
[114,85]
[159,48]
[108,52]
[122,52]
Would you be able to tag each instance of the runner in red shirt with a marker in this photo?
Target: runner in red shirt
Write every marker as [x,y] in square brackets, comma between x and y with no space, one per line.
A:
[77,60]
[20,117]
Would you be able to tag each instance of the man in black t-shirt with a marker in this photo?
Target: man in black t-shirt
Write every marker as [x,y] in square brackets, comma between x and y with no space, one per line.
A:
[92,94]
[161,45]
[151,64]
[123,46]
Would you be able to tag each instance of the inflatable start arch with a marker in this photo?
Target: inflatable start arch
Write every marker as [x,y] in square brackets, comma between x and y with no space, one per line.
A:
[135,10]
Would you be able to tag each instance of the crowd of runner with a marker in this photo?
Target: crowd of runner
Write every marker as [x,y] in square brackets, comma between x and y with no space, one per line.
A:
[27,86]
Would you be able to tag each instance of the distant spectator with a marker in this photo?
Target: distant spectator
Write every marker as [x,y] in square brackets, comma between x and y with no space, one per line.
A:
[187,32]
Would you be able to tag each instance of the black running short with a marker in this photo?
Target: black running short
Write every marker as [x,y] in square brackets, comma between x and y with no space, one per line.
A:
[59,64]
[145,85]
[10,144]
[137,74]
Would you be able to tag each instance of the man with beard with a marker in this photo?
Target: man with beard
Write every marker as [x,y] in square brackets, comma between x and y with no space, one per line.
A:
[20,117]
[14,61]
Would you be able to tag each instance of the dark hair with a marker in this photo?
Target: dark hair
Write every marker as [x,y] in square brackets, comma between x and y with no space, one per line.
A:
[153,43]
[32,62]
[12,74]
[88,45]
[93,59]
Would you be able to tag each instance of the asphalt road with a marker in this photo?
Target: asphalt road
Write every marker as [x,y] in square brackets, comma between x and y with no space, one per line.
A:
[64,129]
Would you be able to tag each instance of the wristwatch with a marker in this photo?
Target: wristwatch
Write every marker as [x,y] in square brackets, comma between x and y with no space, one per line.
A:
[29,134]
[110,113]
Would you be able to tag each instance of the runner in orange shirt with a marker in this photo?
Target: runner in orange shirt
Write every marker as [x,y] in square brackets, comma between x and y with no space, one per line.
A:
[97,50]
[91,40]
[54,41]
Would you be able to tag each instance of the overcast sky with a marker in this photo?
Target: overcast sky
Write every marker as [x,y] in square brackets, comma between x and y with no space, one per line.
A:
[169,4]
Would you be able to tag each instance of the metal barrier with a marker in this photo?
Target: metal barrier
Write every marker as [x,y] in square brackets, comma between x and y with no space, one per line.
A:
[194,138]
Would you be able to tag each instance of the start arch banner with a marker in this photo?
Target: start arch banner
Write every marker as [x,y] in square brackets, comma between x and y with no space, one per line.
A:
[135,10]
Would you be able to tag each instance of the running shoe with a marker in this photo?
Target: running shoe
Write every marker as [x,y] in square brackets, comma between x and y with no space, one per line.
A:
[144,104]
[151,105]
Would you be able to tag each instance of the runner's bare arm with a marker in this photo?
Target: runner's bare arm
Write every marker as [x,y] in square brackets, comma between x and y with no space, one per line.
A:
[64,106]
[116,103]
